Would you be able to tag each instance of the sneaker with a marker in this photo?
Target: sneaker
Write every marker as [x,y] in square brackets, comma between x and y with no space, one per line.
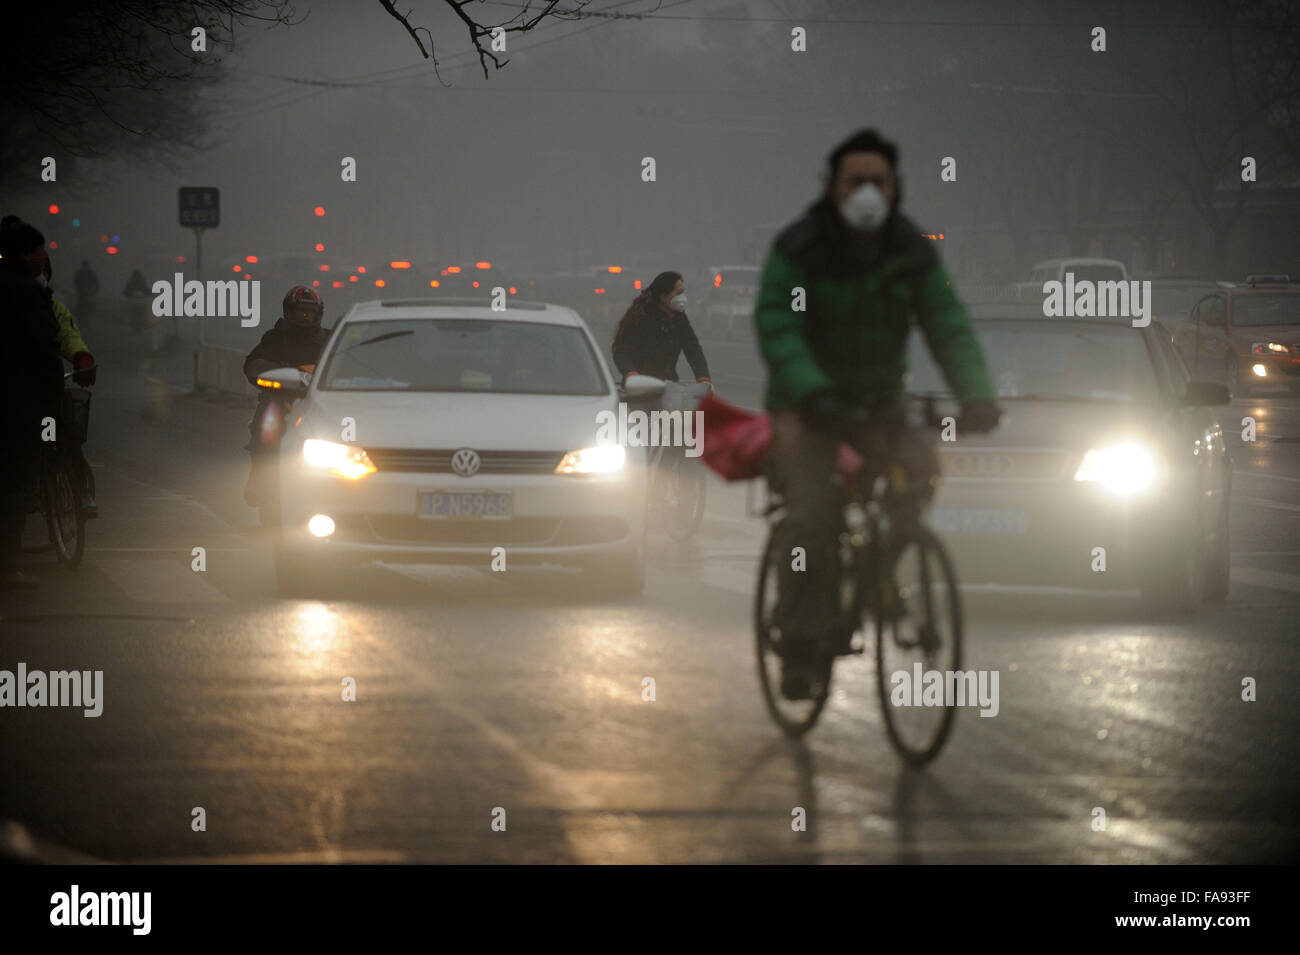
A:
[16,580]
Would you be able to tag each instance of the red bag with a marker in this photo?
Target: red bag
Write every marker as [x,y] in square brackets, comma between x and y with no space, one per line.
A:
[736,442]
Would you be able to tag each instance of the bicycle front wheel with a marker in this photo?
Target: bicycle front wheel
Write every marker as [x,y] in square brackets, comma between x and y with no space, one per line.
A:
[63,514]
[918,644]
[795,717]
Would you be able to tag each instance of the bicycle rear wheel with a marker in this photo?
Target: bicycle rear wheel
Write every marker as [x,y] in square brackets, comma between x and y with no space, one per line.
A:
[918,621]
[795,717]
[64,517]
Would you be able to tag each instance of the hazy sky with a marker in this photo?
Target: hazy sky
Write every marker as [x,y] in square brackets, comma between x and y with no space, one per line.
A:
[539,166]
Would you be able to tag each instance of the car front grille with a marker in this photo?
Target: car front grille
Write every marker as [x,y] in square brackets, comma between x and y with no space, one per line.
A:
[570,531]
[990,464]
[438,461]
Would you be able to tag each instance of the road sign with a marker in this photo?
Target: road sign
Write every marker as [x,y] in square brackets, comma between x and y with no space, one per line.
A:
[200,207]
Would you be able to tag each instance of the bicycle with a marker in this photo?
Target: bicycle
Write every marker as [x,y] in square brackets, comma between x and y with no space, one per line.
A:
[65,482]
[677,483]
[895,571]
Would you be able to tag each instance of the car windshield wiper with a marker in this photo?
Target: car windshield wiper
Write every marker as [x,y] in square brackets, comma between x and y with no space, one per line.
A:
[377,338]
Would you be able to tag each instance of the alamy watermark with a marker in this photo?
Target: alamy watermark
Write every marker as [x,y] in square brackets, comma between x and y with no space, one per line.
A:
[946,688]
[651,429]
[1088,299]
[84,688]
[211,299]
[75,907]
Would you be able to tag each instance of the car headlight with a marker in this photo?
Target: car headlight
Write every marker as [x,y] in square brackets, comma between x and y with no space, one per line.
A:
[602,460]
[1121,469]
[344,460]
[1263,348]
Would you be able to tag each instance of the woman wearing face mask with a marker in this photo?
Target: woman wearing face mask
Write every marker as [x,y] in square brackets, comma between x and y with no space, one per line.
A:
[655,331]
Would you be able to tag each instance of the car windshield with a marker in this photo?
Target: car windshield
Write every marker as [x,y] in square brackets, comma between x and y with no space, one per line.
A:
[463,355]
[1261,309]
[1068,360]
[1096,273]
[1172,301]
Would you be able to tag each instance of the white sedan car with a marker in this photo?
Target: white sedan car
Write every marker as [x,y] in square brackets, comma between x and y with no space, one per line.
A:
[443,431]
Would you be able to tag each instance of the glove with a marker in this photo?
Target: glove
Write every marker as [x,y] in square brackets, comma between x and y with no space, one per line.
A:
[822,411]
[706,381]
[83,362]
[980,417]
[310,369]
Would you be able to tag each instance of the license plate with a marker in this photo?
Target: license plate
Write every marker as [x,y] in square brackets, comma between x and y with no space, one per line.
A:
[465,505]
[979,520]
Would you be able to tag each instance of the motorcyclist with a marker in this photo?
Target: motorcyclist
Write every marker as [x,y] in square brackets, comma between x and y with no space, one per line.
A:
[839,292]
[295,340]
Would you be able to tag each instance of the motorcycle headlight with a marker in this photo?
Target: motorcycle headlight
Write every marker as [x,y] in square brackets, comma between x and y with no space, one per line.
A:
[601,460]
[1121,469]
[344,460]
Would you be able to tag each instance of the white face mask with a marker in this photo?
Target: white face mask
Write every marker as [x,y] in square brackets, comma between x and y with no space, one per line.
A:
[678,303]
[866,208]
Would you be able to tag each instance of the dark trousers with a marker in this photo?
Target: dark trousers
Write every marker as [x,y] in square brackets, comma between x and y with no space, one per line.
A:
[802,470]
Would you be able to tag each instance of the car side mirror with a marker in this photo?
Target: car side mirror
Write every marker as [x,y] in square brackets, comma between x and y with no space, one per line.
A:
[642,387]
[1206,394]
[291,382]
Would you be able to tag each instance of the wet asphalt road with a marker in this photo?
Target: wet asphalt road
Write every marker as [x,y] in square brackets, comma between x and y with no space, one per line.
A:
[524,691]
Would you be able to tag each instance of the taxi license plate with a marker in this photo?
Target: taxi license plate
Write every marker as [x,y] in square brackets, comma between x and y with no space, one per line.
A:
[465,505]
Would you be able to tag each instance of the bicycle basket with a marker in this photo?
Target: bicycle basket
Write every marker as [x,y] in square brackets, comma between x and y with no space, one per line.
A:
[74,414]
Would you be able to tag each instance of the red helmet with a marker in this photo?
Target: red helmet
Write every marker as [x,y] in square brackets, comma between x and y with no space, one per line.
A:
[302,306]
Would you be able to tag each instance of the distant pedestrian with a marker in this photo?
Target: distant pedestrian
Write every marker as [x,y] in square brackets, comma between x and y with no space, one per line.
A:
[86,284]
[137,300]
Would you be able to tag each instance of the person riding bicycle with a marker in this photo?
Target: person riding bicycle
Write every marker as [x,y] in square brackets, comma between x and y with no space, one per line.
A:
[654,332]
[837,296]
[73,348]
[295,340]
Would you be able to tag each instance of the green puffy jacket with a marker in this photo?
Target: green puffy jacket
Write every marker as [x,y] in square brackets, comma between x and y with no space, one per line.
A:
[859,306]
[71,343]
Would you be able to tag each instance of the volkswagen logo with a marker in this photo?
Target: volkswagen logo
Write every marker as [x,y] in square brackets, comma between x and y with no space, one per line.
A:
[465,462]
[980,465]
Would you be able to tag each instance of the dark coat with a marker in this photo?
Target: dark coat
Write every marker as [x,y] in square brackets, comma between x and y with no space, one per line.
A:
[653,342]
[285,346]
[31,374]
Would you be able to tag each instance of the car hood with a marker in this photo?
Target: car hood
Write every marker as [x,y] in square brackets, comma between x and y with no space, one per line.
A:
[1075,425]
[442,420]
[1283,334]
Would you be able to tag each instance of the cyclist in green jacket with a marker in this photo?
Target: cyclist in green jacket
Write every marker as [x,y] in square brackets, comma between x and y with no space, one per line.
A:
[73,348]
[839,293]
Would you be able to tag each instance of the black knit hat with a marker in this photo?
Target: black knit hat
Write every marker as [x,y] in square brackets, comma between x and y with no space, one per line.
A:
[17,238]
